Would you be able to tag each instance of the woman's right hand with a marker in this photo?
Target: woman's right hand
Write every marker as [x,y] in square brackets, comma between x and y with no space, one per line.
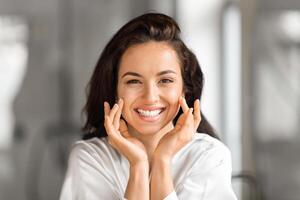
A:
[119,137]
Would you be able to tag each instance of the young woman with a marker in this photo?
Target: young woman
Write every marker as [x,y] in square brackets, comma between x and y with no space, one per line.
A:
[146,137]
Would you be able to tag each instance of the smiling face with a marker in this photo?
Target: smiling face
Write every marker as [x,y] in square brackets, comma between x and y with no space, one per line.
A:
[150,83]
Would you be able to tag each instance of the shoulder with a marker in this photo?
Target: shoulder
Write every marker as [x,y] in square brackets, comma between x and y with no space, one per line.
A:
[94,150]
[203,142]
[92,146]
[207,152]
[91,172]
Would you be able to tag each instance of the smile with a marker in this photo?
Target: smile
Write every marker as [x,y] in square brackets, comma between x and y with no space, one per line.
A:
[149,113]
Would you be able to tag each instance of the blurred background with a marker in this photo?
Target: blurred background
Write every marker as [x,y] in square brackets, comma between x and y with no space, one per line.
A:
[249,51]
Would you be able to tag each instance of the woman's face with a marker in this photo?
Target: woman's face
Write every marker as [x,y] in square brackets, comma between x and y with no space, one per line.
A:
[150,83]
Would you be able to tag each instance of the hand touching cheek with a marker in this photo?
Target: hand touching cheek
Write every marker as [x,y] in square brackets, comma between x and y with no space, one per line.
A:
[182,133]
[119,137]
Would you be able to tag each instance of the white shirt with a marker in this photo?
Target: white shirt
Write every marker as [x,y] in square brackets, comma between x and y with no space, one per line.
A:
[201,170]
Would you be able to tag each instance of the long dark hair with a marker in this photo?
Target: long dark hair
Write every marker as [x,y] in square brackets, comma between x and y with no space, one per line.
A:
[103,84]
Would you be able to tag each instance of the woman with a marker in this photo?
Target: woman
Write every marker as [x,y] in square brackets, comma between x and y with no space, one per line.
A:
[146,137]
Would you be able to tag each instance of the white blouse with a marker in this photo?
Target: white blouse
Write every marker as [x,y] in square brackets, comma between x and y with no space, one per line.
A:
[201,170]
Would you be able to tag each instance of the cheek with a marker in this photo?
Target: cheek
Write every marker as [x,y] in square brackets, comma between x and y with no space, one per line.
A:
[172,97]
[128,96]
[174,93]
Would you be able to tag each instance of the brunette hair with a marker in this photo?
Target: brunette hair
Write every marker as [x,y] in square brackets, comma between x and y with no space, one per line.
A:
[103,84]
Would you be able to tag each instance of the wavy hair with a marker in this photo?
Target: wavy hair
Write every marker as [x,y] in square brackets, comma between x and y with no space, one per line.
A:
[103,83]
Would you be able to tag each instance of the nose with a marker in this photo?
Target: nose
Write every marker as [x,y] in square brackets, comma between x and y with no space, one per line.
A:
[151,94]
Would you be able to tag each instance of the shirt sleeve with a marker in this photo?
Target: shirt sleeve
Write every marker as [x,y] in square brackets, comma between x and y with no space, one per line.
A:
[210,179]
[87,178]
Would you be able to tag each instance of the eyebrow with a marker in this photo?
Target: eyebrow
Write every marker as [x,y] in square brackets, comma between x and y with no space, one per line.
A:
[158,74]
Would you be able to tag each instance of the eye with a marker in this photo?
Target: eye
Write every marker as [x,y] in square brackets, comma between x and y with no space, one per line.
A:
[133,81]
[166,80]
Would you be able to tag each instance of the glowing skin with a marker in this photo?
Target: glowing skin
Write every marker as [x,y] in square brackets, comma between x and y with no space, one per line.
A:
[150,83]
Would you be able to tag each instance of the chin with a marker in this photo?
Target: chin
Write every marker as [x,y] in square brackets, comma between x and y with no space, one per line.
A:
[149,130]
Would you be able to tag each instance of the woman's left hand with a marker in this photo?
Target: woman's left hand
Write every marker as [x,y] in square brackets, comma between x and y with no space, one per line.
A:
[182,133]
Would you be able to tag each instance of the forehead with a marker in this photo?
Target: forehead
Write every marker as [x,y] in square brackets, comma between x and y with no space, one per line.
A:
[149,58]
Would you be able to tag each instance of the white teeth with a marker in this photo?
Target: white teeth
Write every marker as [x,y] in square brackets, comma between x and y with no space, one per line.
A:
[147,113]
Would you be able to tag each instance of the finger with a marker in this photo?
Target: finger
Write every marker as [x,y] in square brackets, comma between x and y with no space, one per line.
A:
[188,119]
[181,120]
[123,129]
[197,115]
[113,136]
[106,108]
[109,127]
[183,104]
[187,130]
[116,121]
[185,110]
[113,111]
